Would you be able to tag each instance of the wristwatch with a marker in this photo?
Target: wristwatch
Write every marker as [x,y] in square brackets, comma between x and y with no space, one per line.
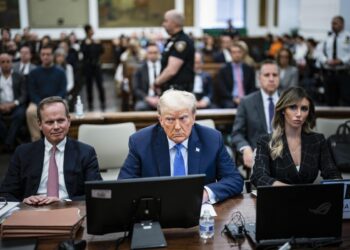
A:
[16,102]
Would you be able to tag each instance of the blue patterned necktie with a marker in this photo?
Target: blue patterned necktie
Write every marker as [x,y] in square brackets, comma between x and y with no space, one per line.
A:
[271,111]
[179,163]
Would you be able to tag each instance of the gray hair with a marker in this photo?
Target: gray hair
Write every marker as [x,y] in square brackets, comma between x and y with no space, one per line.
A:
[176,100]
[177,17]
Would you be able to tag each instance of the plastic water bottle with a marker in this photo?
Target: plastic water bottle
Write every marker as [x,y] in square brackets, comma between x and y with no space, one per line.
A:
[206,225]
[79,108]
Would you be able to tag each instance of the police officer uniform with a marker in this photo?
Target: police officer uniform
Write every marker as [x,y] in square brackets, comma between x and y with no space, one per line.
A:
[182,47]
[336,78]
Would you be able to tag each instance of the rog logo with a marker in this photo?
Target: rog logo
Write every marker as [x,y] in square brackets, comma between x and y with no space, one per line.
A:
[322,209]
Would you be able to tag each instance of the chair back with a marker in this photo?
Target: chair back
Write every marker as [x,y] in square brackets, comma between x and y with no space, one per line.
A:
[110,142]
[206,122]
[327,126]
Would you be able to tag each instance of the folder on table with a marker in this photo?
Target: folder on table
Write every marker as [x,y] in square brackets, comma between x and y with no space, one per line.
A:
[53,223]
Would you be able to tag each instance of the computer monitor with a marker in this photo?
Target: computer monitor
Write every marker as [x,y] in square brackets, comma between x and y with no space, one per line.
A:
[126,205]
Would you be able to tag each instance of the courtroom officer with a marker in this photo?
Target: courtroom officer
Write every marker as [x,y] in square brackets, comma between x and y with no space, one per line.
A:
[334,57]
[178,55]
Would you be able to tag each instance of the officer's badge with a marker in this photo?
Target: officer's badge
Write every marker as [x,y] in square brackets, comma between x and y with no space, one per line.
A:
[180,46]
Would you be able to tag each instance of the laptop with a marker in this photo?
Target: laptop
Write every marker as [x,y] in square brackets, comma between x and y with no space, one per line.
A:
[346,185]
[298,214]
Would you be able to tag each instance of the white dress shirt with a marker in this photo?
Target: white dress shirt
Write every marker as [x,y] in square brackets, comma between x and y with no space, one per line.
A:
[6,90]
[325,50]
[184,149]
[151,76]
[62,190]
[24,68]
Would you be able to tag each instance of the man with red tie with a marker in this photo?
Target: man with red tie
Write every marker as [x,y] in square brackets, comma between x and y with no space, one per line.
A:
[236,79]
[52,168]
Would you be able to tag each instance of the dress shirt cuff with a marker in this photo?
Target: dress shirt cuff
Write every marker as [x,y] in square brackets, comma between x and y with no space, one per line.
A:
[243,148]
[211,195]
[206,99]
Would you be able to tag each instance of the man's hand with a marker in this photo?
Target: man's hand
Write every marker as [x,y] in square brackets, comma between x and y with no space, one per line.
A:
[152,101]
[236,100]
[248,157]
[279,183]
[201,104]
[334,62]
[7,107]
[39,200]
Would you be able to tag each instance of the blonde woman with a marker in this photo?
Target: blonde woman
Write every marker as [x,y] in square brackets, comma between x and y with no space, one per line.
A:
[293,154]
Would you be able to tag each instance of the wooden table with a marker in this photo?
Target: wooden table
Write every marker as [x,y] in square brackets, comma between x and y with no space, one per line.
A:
[221,117]
[184,238]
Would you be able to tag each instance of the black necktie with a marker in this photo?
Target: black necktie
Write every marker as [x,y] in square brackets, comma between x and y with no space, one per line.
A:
[271,111]
[22,69]
[335,46]
[155,71]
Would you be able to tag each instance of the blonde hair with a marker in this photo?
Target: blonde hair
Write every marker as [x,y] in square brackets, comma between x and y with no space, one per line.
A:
[176,100]
[288,98]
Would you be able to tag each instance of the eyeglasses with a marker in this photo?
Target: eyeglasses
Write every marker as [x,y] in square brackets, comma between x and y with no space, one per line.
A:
[3,202]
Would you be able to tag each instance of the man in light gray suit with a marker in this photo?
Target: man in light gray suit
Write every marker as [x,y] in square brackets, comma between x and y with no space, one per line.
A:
[254,114]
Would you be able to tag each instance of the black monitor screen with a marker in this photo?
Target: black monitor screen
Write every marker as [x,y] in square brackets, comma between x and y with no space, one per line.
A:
[114,206]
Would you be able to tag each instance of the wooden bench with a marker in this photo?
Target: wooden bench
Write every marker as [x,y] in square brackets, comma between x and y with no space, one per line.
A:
[221,117]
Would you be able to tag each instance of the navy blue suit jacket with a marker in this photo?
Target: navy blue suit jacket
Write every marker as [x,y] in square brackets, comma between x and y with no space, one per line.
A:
[23,177]
[226,84]
[149,156]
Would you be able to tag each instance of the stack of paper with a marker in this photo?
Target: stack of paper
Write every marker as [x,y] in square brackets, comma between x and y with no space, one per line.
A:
[54,223]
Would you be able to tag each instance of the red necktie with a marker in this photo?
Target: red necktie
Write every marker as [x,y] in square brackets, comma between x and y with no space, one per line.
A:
[52,180]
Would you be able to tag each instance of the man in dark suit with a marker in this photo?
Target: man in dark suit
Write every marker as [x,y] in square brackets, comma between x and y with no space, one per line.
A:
[24,66]
[143,79]
[177,146]
[224,54]
[202,87]
[236,79]
[253,118]
[53,168]
[13,99]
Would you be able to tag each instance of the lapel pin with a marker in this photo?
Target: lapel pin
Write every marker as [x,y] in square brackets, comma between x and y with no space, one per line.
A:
[197,150]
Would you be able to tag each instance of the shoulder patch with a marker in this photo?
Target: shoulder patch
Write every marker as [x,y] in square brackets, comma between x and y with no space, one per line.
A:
[180,46]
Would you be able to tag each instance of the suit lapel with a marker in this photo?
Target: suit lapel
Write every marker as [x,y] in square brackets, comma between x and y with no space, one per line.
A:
[146,79]
[161,151]
[69,161]
[230,77]
[193,152]
[37,164]
[259,107]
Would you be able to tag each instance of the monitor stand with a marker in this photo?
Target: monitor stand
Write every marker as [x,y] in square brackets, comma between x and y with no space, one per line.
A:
[147,234]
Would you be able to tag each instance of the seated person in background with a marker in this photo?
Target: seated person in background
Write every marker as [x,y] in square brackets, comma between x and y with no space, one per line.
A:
[60,61]
[236,79]
[202,87]
[143,79]
[24,66]
[209,48]
[177,146]
[289,74]
[255,112]
[224,54]
[293,154]
[44,81]
[13,98]
[53,168]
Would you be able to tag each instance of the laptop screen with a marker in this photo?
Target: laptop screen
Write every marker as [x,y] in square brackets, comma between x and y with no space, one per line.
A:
[299,211]
[346,205]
